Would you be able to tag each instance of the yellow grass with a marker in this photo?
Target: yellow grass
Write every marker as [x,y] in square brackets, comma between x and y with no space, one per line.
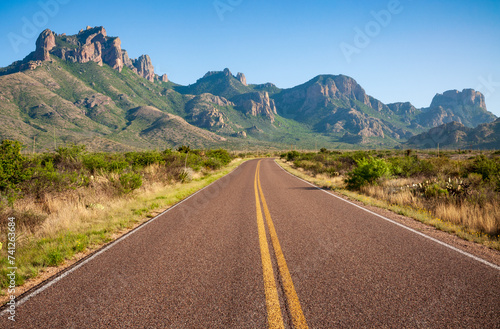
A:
[465,221]
[85,219]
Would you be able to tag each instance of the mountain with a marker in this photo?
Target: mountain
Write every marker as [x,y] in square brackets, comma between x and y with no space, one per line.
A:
[338,106]
[467,107]
[217,83]
[457,135]
[84,88]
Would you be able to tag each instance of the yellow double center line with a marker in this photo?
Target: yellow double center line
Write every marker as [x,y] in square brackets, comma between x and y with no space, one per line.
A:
[274,314]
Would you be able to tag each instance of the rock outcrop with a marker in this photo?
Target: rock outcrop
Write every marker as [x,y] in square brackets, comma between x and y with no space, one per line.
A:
[91,44]
[163,78]
[144,67]
[241,78]
[220,83]
[203,111]
[256,103]
[354,122]
[44,44]
[321,92]
[467,107]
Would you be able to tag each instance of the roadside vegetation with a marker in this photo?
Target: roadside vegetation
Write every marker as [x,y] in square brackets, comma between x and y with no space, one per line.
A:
[71,201]
[455,191]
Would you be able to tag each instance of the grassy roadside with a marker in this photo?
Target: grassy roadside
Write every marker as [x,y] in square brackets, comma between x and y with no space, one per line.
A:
[422,215]
[93,227]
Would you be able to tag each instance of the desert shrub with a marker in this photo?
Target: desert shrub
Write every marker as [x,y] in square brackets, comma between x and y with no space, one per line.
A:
[144,159]
[130,182]
[368,171]
[221,155]
[292,156]
[117,165]
[95,162]
[184,149]
[488,168]
[212,163]
[434,191]
[185,175]
[67,155]
[12,167]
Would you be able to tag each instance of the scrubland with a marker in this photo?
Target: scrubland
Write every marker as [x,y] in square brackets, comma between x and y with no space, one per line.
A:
[455,191]
[69,202]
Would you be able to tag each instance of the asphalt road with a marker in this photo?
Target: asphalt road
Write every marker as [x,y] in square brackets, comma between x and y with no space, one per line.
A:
[261,248]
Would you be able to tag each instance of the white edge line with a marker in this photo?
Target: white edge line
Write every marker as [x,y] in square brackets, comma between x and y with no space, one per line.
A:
[496,267]
[111,244]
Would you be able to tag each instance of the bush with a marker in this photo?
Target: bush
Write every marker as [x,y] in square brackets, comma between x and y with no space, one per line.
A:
[212,163]
[368,171]
[221,155]
[184,149]
[292,156]
[95,162]
[130,182]
[68,154]
[488,168]
[144,159]
[12,165]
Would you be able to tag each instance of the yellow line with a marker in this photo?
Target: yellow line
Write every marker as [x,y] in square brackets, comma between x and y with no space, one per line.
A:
[298,318]
[274,318]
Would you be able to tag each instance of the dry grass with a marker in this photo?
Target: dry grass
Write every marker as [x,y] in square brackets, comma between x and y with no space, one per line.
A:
[86,218]
[466,220]
[484,219]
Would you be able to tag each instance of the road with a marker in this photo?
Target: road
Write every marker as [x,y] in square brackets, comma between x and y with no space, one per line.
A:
[260,248]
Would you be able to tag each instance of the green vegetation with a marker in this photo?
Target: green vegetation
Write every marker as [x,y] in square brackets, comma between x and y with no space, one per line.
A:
[71,201]
[458,191]
[368,171]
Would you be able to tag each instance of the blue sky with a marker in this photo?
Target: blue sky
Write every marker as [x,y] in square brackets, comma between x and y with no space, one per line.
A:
[397,50]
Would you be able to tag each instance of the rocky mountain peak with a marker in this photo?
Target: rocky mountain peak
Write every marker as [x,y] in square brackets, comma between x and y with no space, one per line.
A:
[144,67]
[451,98]
[90,44]
[241,78]
[467,107]
[44,44]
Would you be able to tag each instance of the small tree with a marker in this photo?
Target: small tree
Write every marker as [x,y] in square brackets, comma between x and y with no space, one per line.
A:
[12,169]
[368,171]
[12,165]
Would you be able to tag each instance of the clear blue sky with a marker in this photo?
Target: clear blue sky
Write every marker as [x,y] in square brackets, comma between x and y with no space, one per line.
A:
[421,48]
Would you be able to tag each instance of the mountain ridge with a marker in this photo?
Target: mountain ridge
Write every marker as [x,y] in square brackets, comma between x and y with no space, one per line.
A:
[88,79]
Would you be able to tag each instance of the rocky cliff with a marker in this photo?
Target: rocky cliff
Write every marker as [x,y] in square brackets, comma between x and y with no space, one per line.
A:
[203,112]
[256,104]
[91,44]
[467,107]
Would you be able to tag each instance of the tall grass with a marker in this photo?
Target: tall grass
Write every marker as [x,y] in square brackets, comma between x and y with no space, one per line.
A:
[452,188]
[71,201]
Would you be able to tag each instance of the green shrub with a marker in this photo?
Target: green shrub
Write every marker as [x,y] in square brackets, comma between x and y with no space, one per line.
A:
[130,181]
[220,154]
[144,159]
[368,171]
[71,153]
[95,162]
[435,191]
[488,168]
[12,165]
[292,156]
[184,149]
[212,163]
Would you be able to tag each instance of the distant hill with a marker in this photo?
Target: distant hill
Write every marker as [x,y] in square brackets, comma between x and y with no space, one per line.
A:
[467,107]
[456,135]
[84,88]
